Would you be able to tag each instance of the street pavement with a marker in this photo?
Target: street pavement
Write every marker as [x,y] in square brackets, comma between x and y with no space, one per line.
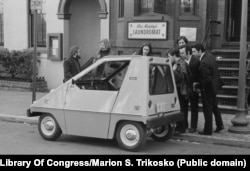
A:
[14,105]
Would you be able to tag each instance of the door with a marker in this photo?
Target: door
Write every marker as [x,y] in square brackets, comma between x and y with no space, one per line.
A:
[162,91]
[234,21]
[87,112]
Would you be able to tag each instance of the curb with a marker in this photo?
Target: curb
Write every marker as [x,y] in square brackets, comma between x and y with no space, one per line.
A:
[229,141]
[19,119]
[226,140]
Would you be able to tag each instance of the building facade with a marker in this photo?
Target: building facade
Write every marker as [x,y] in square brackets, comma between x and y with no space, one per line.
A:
[60,24]
[127,23]
[216,21]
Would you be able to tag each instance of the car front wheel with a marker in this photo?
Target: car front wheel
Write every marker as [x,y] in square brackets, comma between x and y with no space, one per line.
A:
[131,136]
[48,127]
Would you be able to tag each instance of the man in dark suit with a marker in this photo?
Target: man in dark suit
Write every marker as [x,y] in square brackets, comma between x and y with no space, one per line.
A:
[72,65]
[186,54]
[194,64]
[210,83]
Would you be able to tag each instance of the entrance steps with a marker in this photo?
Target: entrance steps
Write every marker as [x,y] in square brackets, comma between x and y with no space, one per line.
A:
[228,62]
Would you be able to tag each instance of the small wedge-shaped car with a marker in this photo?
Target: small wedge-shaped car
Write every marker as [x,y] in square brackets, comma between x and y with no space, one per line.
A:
[123,97]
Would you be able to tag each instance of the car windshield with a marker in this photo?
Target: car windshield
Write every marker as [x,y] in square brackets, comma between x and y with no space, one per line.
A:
[106,76]
[105,70]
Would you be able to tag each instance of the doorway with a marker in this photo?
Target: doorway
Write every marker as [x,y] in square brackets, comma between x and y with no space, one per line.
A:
[234,21]
[84,27]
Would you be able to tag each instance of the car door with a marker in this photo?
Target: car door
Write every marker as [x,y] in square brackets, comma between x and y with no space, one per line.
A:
[162,90]
[89,102]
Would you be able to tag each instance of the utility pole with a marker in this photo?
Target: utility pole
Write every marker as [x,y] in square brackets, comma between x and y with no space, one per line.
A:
[34,58]
[240,122]
[35,5]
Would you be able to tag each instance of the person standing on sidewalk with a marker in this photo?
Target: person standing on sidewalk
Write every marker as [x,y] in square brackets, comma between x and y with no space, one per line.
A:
[105,49]
[183,84]
[194,64]
[181,41]
[210,83]
[72,65]
[146,49]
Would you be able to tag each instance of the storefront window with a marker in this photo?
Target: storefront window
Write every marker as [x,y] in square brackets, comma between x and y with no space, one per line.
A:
[187,7]
[1,24]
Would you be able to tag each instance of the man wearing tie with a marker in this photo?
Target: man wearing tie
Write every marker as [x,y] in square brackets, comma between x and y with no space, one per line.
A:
[194,64]
[210,83]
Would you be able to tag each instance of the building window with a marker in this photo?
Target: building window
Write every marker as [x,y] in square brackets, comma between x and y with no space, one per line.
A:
[121,9]
[41,27]
[1,24]
[144,7]
[187,7]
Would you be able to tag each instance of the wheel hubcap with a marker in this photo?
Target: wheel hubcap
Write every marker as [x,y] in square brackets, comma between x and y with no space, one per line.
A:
[131,135]
[49,126]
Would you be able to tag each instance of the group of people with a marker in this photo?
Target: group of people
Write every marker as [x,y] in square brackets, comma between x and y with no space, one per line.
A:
[72,64]
[196,74]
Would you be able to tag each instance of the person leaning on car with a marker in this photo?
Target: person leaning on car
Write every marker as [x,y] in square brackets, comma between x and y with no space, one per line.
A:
[72,65]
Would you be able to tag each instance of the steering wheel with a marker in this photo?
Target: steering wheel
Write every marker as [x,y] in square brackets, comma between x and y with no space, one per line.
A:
[112,84]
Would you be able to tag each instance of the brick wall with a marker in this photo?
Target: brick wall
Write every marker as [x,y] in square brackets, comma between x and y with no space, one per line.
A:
[118,26]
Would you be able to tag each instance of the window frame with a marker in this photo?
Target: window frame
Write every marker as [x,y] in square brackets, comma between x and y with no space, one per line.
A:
[121,9]
[1,24]
[154,11]
[193,11]
[104,77]
[152,83]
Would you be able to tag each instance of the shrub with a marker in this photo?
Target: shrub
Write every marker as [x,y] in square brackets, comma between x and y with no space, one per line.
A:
[16,65]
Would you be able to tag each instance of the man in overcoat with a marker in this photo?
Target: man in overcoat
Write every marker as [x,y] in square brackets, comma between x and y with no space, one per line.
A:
[72,65]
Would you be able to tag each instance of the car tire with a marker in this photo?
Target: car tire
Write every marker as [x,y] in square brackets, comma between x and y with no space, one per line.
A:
[48,127]
[163,133]
[131,136]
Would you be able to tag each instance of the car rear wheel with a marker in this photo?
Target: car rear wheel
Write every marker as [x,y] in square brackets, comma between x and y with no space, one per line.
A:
[163,133]
[131,136]
[48,127]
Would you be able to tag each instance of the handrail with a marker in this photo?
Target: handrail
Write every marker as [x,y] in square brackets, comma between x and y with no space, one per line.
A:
[208,32]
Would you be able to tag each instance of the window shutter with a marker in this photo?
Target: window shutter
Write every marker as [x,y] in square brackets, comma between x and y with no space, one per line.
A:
[160,6]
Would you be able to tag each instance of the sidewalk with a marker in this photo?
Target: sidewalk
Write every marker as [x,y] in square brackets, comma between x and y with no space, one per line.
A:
[15,103]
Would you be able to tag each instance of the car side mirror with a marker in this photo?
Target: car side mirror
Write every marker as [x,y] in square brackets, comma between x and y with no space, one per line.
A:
[73,82]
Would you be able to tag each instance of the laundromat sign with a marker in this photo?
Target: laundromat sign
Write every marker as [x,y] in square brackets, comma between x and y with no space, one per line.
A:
[147,30]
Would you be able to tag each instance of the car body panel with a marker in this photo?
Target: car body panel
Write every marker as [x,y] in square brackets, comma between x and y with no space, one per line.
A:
[87,112]
[96,113]
[132,97]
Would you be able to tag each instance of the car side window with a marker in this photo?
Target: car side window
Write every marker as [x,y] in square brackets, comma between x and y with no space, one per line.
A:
[107,76]
[160,79]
